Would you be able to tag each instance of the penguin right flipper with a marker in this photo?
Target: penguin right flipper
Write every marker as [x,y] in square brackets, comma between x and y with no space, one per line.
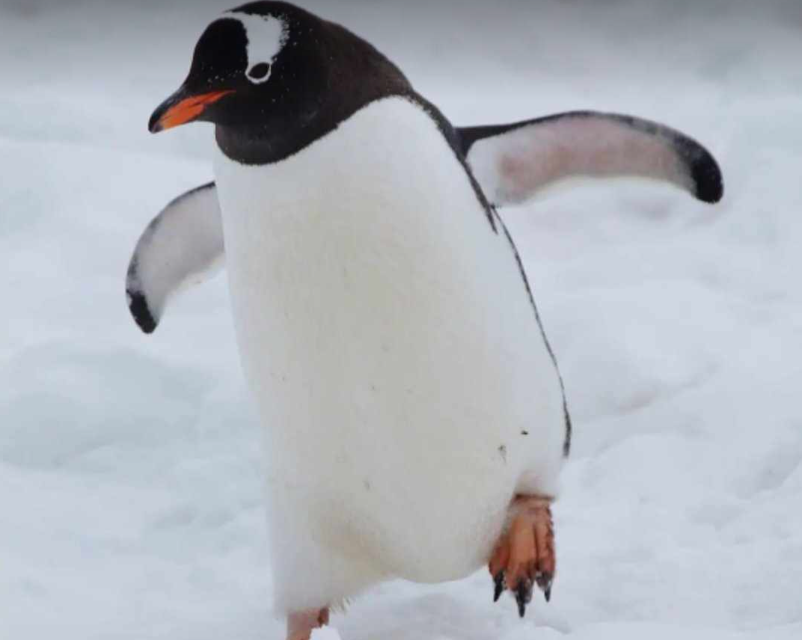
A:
[513,162]
[183,245]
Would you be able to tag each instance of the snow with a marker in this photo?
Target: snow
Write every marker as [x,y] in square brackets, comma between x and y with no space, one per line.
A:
[325,633]
[130,466]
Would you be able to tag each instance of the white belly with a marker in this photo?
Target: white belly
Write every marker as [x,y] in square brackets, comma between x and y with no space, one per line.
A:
[386,333]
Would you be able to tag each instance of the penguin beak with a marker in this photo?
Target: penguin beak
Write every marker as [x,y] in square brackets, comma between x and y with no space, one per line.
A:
[182,107]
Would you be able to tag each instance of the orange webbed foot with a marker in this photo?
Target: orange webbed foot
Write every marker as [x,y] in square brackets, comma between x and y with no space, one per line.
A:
[524,555]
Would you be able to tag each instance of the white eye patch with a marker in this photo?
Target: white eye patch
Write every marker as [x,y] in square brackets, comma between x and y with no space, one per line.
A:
[266,36]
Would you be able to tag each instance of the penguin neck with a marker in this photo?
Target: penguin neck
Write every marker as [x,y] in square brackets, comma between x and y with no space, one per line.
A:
[266,144]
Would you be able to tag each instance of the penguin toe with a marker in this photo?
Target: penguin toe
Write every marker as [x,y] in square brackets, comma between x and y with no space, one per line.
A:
[543,527]
[498,567]
[523,595]
[544,582]
[498,585]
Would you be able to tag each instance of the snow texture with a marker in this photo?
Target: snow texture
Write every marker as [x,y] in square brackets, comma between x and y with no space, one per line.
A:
[130,466]
[326,633]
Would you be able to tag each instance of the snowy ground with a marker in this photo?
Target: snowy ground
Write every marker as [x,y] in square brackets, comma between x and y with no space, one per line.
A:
[130,496]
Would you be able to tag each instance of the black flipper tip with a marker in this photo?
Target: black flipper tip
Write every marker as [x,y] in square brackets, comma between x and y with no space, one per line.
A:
[703,170]
[138,306]
[707,178]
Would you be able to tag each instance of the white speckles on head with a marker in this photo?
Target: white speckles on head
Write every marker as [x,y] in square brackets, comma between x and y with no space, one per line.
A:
[266,36]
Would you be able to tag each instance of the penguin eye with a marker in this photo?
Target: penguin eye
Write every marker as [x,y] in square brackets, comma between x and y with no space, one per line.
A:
[259,72]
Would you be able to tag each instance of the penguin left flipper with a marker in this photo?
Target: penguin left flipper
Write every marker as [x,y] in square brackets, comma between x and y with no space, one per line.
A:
[513,162]
[183,245]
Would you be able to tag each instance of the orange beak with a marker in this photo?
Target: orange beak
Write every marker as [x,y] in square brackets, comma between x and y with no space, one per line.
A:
[181,108]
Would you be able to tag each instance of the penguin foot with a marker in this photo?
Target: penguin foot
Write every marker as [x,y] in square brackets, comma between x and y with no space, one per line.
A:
[524,555]
[300,624]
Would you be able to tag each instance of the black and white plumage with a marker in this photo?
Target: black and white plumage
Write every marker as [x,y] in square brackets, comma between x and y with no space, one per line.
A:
[385,323]
[539,153]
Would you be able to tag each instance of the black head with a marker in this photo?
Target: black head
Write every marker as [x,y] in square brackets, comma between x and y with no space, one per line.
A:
[274,77]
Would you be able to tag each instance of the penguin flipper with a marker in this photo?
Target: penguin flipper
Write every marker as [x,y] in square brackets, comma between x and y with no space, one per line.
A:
[181,246]
[513,162]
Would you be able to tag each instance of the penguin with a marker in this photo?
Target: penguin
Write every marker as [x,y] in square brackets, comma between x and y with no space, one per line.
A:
[414,415]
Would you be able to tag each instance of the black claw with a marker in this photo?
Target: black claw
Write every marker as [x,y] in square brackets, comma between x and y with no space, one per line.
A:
[547,593]
[499,588]
[523,596]
[544,580]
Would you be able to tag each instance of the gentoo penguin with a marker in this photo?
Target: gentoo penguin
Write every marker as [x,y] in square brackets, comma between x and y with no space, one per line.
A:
[414,413]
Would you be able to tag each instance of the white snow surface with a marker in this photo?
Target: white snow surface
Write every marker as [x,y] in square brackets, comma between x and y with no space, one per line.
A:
[325,633]
[130,465]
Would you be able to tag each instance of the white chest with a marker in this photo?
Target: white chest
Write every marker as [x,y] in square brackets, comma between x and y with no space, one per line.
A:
[385,331]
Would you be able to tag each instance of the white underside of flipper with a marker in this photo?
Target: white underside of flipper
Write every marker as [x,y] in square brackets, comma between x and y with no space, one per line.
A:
[181,246]
[515,162]
[386,332]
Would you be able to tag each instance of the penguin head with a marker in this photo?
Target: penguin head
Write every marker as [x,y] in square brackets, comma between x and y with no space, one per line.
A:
[247,66]
[274,78]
